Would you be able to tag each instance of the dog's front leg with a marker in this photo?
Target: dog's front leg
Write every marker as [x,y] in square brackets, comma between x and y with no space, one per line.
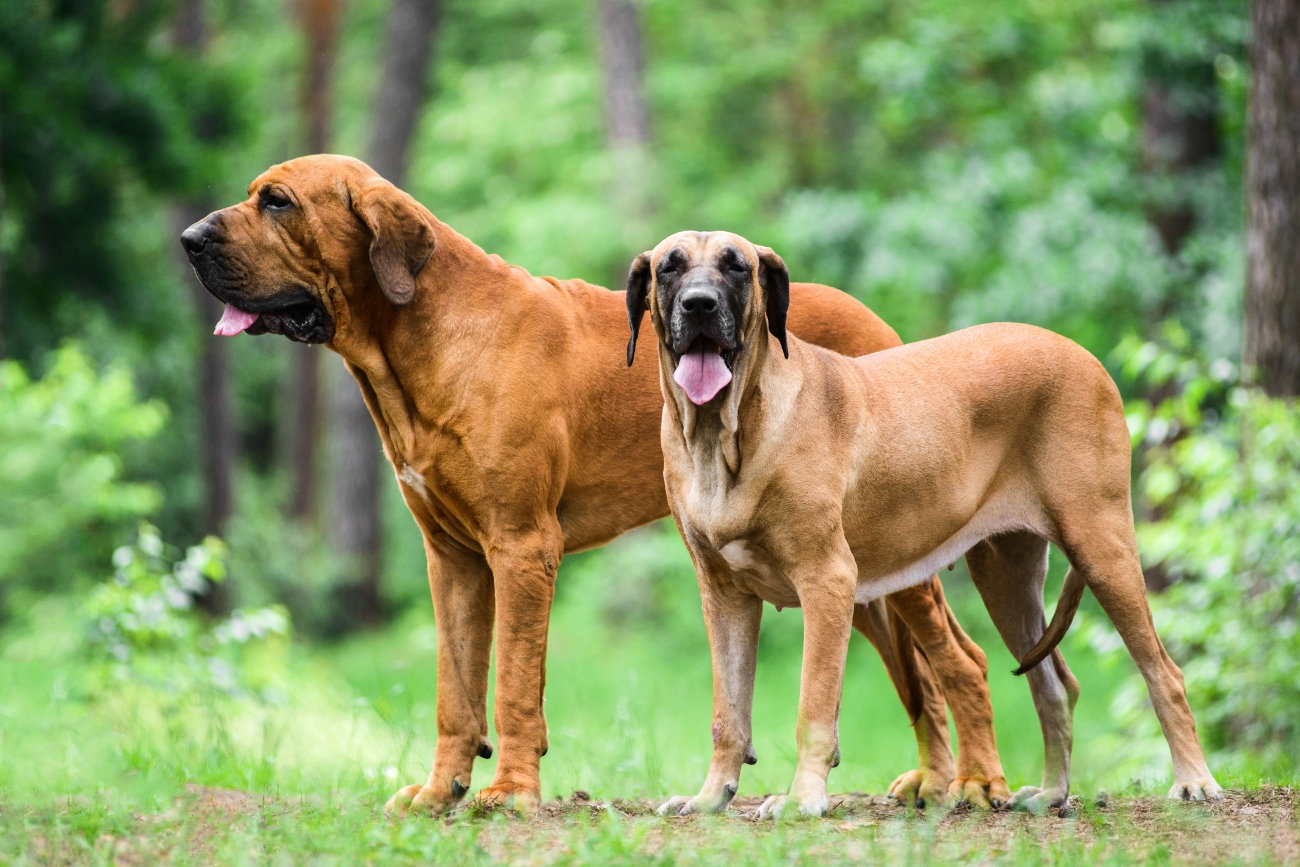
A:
[523,572]
[461,584]
[732,619]
[827,598]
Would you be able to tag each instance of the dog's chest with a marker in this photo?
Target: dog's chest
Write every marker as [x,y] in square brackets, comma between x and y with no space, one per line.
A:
[734,558]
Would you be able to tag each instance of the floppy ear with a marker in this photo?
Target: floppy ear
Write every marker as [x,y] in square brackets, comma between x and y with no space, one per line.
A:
[638,288]
[401,239]
[775,280]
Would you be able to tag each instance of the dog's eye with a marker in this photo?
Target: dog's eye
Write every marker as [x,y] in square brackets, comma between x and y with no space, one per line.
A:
[738,267]
[275,201]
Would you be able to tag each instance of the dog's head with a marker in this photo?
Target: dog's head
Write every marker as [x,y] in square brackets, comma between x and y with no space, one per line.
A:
[709,295]
[312,232]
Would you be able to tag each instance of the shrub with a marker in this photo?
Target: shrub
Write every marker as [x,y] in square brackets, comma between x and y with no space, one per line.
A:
[1219,478]
[63,503]
[143,625]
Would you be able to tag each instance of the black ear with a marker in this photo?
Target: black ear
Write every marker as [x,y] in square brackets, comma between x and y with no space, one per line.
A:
[638,290]
[775,280]
[401,239]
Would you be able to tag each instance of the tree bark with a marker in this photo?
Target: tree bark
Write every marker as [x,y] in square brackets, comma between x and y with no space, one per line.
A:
[357,525]
[320,22]
[1180,129]
[627,115]
[623,57]
[1273,192]
[403,85]
[218,444]
[2,252]
[1180,141]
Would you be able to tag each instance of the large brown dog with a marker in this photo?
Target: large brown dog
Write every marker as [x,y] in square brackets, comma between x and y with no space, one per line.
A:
[515,439]
[824,481]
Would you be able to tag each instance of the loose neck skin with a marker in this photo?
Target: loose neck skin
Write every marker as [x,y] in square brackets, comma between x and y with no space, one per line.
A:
[401,356]
[711,433]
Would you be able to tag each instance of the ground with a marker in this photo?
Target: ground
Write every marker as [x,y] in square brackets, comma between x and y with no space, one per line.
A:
[224,826]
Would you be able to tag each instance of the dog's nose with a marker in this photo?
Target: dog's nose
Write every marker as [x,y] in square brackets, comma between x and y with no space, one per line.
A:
[699,301]
[195,238]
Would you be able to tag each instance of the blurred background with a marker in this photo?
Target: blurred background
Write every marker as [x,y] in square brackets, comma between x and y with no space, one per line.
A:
[207,574]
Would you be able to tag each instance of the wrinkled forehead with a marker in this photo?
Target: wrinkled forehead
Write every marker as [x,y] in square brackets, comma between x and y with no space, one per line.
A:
[701,247]
[307,175]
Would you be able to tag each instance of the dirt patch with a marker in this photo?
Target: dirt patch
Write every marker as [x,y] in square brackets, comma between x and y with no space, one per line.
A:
[1260,825]
[201,826]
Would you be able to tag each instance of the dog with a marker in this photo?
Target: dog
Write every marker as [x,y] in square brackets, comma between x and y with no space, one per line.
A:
[514,441]
[805,478]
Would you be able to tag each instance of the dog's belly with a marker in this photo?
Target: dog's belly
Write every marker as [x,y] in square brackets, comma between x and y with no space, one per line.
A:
[1003,514]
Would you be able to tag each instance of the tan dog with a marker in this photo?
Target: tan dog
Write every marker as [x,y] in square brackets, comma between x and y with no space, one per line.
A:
[515,439]
[825,481]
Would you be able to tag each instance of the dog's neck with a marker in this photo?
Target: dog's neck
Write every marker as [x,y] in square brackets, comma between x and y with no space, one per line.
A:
[711,433]
[415,362]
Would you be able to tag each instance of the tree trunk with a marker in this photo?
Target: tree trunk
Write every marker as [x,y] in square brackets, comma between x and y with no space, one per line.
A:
[1180,142]
[403,85]
[216,409]
[357,462]
[356,517]
[1273,191]
[623,57]
[2,252]
[627,117]
[320,21]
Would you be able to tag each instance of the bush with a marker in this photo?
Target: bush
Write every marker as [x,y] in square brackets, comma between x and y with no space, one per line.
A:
[143,625]
[1219,478]
[63,503]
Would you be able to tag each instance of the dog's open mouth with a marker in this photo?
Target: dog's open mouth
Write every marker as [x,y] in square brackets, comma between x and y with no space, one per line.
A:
[304,321]
[702,371]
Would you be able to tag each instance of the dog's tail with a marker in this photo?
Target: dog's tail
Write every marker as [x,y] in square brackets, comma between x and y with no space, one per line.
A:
[1066,606]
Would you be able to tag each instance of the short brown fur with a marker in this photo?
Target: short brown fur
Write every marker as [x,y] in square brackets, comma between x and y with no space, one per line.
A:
[517,436]
[824,481]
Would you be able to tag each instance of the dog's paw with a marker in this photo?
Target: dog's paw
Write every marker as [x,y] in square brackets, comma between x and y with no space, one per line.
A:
[524,802]
[701,804]
[1032,799]
[423,800]
[777,807]
[1196,790]
[980,792]
[399,806]
[916,789]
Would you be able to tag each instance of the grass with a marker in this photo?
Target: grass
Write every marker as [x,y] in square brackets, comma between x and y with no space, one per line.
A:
[131,775]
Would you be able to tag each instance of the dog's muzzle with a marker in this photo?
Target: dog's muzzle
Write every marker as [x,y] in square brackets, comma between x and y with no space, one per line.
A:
[292,311]
[704,342]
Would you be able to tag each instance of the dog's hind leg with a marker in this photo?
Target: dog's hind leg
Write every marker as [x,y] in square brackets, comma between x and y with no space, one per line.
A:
[926,710]
[1107,557]
[962,672]
[463,605]
[1009,571]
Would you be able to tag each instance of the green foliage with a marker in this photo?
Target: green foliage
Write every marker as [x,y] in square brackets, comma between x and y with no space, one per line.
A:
[143,624]
[95,101]
[63,500]
[1219,479]
[948,164]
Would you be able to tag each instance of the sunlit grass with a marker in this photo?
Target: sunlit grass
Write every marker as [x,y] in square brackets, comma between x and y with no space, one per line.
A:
[628,708]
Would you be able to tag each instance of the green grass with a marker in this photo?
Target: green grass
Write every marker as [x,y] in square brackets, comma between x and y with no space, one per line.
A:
[97,777]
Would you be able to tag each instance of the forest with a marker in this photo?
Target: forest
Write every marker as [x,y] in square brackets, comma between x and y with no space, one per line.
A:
[216,637]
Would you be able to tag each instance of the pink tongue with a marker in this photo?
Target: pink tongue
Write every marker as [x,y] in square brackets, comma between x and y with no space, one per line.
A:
[702,373]
[234,321]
